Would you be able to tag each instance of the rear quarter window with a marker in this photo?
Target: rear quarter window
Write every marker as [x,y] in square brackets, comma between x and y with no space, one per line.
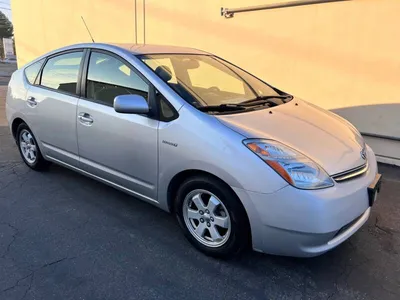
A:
[32,71]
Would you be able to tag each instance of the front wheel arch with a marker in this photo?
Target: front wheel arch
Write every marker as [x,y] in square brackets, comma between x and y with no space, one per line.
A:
[241,237]
[179,178]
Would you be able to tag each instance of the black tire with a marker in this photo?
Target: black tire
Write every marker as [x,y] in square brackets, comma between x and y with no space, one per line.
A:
[39,164]
[239,237]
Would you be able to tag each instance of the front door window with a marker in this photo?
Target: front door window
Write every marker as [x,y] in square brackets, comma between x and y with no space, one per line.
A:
[109,77]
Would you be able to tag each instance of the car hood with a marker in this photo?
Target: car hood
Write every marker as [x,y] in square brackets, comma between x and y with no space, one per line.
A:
[324,137]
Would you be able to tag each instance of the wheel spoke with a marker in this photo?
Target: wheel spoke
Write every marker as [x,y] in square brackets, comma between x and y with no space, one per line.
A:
[23,144]
[200,229]
[33,148]
[193,214]
[221,221]
[25,137]
[214,234]
[212,204]
[198,201]
[32,155]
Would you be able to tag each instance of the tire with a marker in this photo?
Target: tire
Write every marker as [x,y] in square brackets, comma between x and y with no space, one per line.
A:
[228,211]
[26,140]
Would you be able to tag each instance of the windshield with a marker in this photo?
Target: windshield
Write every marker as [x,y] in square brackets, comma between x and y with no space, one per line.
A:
[205,80]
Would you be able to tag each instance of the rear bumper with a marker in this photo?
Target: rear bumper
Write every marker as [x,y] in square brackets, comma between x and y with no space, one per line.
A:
[304,223]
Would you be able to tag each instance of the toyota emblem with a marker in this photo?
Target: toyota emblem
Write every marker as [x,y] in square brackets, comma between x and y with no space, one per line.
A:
[363,154]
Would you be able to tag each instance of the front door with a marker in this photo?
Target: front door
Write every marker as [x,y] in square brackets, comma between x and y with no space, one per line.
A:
[51,107]
[119,148]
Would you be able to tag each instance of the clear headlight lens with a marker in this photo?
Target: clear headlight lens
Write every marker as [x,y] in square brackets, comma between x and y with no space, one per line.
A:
[296,168]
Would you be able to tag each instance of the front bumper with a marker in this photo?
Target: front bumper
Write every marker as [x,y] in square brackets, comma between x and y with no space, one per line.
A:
[304,223]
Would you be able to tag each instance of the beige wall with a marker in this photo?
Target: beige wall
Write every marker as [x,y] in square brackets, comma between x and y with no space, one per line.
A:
[342,56]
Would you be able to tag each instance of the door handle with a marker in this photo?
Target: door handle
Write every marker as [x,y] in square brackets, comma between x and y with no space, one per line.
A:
[31,101]
[85,119]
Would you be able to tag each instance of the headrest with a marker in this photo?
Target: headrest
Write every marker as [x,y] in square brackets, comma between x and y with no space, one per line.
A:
[164,72]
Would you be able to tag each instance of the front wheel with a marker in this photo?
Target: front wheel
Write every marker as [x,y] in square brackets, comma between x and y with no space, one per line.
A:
[212,217]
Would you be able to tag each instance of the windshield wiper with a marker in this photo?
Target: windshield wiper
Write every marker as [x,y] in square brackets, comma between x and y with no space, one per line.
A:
[259,100]
[264,99]
[222,107]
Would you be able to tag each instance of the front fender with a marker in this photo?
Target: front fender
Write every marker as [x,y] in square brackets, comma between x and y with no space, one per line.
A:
[167,175]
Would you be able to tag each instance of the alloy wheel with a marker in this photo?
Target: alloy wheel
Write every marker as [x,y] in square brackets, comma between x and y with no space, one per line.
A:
[28,146]
[207,218]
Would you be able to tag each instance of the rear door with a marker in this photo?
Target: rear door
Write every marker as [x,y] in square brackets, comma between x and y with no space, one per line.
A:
[119,148]
[52,104]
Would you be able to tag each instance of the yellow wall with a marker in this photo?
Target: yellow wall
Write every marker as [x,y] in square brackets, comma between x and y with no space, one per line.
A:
[343,56]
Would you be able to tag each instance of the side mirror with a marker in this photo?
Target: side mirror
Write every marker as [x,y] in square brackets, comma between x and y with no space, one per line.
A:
[131,104]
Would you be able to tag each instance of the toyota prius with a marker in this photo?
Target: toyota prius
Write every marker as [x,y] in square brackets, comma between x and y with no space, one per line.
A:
[239,162]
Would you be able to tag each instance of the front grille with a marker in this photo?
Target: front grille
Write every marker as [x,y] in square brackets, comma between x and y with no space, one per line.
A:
[351,174]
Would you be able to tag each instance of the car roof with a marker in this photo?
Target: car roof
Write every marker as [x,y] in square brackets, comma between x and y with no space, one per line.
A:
[138,49]
[135,49]
[159,49]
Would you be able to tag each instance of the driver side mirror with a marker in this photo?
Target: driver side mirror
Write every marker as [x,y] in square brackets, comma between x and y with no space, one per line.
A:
[131,104]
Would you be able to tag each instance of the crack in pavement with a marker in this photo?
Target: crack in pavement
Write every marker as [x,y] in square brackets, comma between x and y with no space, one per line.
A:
[7,163]
[384,229]
[345,272]
[12,168]
[31,276]
[7,185]
[389,291]
[17,283]
[14,237]
[29,287]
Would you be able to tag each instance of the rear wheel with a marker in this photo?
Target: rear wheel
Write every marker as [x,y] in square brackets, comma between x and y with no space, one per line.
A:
[29,149]
[212,217]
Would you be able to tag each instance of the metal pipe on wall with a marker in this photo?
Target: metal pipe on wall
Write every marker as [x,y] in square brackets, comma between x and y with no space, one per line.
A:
[380,136]
[229,12]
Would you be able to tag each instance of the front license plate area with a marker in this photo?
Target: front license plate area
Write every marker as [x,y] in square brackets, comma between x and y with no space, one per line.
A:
[374,188]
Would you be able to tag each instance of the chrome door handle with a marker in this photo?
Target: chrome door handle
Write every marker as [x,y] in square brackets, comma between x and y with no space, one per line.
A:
[31,101]
[85,119]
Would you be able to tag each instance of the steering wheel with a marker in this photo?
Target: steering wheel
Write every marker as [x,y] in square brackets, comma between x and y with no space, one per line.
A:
[115,91]
[213,89]
[211,92]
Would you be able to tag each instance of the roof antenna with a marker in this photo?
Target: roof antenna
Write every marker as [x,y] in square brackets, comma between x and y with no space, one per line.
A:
[135,21]
[87,29]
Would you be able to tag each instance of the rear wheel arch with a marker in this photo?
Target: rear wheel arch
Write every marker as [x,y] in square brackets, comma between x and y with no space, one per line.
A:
[29,148]
[14,130]
[14,126]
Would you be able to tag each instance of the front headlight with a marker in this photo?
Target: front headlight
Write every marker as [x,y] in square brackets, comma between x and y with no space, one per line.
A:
[296,168]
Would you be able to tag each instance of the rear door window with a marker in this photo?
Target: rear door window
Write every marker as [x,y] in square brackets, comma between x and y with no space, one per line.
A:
[61,72]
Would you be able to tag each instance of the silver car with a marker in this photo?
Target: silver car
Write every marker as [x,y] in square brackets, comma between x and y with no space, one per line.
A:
[239,162]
